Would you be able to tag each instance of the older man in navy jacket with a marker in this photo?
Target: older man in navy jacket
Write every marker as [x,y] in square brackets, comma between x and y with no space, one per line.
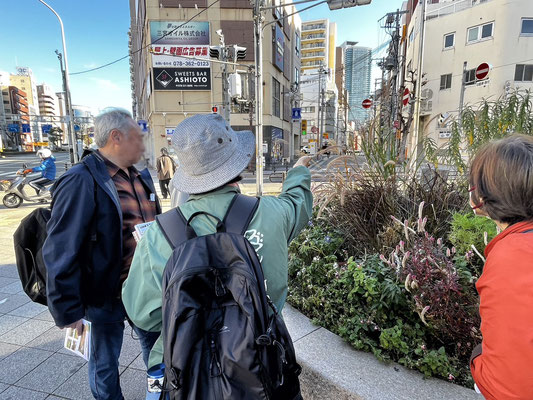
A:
[89,247]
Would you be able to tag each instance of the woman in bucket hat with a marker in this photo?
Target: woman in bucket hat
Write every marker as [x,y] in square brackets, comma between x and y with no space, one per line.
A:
[211,157]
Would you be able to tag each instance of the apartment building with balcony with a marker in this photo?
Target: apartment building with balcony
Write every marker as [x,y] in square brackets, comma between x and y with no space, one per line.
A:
[167,89]
[25,81]
[48,102]
[318,47]
[16,113]
[498,32]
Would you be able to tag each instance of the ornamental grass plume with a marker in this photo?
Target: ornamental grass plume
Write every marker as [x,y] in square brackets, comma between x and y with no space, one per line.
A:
[443,300]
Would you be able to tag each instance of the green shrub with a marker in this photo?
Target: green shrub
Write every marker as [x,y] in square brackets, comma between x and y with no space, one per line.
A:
[364,301]
[468,230]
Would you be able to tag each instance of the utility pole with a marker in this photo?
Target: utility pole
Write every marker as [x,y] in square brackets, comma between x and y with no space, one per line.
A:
[418,92]
[258,33]
[319,109]
[65,97]
[462,98]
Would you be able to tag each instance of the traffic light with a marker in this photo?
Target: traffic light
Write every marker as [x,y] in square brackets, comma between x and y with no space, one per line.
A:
[239,52]
[214,52]
[304,127]
[338,4]
[214,109]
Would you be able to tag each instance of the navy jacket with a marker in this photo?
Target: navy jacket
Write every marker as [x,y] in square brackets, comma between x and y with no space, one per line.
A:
[83,250]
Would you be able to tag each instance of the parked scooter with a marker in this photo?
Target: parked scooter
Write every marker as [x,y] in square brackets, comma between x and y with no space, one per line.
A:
[16,193]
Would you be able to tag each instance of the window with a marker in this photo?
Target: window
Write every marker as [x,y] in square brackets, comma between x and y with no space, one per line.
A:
[412,35]
[449,40]
[310,109]
[297,44]
[480,32]
[276,98]
[527,27]
[445,81]
[297,75]
[470,78]
[523,73]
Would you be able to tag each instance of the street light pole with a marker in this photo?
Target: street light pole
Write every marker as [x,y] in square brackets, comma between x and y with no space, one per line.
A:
[67,89]
[418,92]
[258,32]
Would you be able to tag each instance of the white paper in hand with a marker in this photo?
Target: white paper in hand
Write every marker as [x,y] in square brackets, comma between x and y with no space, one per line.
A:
[79,344]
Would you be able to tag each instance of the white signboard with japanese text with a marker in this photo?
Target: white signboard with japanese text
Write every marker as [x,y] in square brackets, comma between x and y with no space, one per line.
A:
[173,39]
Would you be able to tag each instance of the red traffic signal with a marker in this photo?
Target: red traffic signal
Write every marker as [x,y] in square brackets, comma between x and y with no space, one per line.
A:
[214,109]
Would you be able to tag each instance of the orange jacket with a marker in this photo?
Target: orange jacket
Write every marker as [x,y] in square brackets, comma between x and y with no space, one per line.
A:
[504,369]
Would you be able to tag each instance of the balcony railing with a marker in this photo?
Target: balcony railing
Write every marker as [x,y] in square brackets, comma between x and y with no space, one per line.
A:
[315,36]
[312,64]
[313,54]
[313,27]
[436,11]
[313,46]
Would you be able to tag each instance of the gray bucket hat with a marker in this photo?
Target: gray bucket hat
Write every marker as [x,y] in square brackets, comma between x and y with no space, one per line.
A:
[209,152]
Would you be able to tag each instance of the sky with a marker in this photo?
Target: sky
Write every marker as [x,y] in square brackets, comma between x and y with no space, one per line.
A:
[96,33]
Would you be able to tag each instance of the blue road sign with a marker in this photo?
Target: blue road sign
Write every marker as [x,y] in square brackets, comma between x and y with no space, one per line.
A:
[77,128]
[143,124]
[46,128]
[13,128]
[26,128]
[296,113]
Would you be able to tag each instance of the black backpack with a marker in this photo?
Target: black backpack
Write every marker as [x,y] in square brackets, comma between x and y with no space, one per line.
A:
[29,239]
[223,337]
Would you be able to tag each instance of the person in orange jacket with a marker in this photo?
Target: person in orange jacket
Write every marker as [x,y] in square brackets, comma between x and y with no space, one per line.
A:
[501,188]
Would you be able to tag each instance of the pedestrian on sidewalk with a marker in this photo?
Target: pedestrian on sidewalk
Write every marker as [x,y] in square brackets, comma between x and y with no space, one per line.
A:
[212,157]
[90,245]
[501,188]
[165,167]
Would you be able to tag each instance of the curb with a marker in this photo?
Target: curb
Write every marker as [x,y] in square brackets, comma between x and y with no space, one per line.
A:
[334,370]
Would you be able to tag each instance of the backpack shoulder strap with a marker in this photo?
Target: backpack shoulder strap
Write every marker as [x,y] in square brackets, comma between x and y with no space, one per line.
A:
[240,212]
[174,226]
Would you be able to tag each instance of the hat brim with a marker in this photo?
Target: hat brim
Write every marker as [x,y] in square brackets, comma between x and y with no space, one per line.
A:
[194,184]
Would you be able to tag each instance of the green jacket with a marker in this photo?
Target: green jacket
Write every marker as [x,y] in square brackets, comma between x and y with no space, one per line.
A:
[276,222]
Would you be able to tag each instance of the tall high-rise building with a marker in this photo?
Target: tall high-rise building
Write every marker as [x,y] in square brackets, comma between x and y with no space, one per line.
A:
[358,69]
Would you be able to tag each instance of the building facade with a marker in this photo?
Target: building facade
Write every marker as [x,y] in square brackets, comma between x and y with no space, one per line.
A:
[358,71]
[25,81]
[318,46]
[167,88]
[497,32]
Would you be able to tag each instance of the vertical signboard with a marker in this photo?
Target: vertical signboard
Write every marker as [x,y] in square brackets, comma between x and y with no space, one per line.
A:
[278,47]
[171,41]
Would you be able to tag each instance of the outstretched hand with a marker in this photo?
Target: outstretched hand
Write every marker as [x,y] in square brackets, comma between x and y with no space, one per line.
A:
[303,161]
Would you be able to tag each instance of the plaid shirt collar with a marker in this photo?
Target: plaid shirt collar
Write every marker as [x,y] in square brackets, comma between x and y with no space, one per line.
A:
[113,169]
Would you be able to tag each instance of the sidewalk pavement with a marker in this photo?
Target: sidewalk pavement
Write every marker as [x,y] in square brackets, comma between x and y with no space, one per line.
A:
[33,363]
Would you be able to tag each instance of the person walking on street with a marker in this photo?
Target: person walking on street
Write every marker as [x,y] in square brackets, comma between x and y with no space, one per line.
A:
[89,247]
[166,167]
[211,157]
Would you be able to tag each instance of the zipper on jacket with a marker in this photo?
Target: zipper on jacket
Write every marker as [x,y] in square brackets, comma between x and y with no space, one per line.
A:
[215,369]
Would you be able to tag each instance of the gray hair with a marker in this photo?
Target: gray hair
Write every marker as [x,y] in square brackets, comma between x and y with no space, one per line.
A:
[108,120]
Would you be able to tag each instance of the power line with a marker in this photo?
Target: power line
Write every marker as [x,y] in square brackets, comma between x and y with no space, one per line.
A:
[149,44]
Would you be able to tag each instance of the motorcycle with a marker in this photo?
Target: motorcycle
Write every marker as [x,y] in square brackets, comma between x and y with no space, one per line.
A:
[16,193]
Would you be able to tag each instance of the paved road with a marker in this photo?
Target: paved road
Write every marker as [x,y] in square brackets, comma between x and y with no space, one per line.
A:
[11,163]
